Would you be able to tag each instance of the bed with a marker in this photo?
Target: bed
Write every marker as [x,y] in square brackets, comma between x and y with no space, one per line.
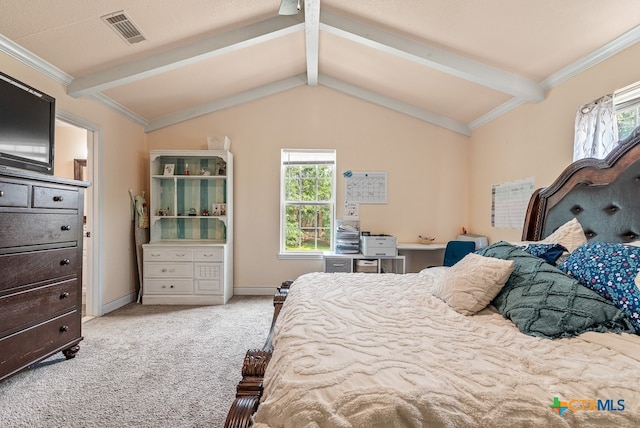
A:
[542,332]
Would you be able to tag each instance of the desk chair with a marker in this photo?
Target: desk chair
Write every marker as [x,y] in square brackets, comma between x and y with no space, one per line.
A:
[456,250]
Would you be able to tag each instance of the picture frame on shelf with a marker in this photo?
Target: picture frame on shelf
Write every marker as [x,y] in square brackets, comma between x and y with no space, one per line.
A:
[169,169]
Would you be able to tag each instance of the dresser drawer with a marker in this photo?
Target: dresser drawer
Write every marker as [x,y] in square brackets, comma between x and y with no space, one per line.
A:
[13,194]
[36,305]
[20,229]
[22,349]
[50,197]
[155,254]
[168,286]
[210,254]
[36,266]
[168,270]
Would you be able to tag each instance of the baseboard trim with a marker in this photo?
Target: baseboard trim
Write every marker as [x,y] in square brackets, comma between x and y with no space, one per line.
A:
[118,303]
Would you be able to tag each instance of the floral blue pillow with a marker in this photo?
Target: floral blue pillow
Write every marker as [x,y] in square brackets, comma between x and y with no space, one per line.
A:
[611,270]
[550,253]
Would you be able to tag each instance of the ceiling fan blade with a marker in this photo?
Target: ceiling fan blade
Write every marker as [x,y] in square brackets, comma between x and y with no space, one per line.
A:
[290,7]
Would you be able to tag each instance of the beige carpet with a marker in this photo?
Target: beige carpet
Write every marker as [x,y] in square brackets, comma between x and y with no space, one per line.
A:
[143,366]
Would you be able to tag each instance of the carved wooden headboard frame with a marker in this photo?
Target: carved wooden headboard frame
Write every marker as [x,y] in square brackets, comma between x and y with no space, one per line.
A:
[604,195]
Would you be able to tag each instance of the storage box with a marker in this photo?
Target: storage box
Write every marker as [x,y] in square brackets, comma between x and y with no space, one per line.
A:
[367,266]
[219,143]
[347,237]
[378,245]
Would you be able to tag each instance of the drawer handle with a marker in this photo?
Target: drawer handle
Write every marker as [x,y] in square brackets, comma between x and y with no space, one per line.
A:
[1,193]
[65,262]
[64,295]
[65,227]
[180,255]
[155,255]
[58,199]
[64,328]
[171,286]
[167,270]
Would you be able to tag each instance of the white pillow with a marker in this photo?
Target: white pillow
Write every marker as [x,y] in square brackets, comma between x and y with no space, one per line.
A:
[570,235]
[472,283]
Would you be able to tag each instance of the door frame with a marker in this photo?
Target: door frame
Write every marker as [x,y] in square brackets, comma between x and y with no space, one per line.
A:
[93,170]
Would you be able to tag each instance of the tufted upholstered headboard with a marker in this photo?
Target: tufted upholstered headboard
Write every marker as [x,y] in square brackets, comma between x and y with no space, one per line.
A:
[604,195]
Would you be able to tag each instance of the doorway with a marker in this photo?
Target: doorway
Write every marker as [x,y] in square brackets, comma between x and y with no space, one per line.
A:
[76,149]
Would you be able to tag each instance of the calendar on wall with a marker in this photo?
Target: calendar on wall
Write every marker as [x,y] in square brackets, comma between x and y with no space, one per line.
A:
[509,202]
[366,187]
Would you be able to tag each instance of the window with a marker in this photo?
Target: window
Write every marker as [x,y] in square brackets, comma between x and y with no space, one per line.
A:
[600,124]
[307,201]
[626,102]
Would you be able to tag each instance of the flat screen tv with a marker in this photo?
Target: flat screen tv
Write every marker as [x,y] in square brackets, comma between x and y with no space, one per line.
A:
[27,127]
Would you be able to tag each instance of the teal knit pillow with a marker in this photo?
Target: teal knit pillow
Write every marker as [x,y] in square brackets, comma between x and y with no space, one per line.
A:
[543,301]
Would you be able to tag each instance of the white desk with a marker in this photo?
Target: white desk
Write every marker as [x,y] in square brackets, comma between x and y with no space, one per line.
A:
[414,246]
[419,256]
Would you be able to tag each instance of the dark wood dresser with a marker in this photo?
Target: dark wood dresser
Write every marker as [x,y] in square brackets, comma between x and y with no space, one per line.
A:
[41,226]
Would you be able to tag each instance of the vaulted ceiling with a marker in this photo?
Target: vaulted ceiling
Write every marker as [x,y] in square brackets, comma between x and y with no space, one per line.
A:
[452,63]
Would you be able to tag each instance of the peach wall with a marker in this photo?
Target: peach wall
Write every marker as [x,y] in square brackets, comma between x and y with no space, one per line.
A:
[123,152]
[536,140]
[438,180]
[70,144]
[426,167]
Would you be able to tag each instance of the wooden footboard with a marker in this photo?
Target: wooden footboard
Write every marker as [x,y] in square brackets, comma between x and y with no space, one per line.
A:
[249,388]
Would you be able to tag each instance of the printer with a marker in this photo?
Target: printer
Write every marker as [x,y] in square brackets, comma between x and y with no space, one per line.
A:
[480,241]
[378,245]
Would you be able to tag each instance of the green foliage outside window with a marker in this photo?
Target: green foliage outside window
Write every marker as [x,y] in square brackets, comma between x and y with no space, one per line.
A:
[308,201]
[627,121]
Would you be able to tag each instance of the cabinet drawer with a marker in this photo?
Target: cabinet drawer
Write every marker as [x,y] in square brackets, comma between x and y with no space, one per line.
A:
[36,266]
[20,350]
[215,254]
[209,287]
[19,229]
[168,270]
[36,305]
[337,265]
[168,254]
[50,197]
[168,286]
[13,194]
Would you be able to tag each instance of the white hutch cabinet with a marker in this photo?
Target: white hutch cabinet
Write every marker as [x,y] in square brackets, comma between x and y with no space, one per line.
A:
[189,259]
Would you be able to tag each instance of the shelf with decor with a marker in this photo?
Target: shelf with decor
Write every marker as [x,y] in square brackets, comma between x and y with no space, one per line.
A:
[191,221]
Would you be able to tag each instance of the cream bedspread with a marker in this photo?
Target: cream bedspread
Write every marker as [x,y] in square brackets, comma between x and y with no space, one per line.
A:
[363,350]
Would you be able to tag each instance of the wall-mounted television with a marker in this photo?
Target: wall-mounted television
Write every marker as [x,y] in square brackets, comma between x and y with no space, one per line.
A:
[27,126]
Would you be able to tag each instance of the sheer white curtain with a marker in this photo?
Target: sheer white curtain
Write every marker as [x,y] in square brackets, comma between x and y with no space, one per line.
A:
[596,129]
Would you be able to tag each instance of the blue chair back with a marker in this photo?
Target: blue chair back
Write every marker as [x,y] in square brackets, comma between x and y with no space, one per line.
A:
[456,250]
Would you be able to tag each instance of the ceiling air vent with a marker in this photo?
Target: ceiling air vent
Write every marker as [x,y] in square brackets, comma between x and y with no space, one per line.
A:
[124,26]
